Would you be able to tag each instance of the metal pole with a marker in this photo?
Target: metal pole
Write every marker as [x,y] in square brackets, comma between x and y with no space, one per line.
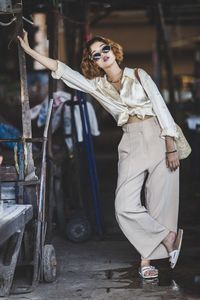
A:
[52,35]
[91,162]
[41,225]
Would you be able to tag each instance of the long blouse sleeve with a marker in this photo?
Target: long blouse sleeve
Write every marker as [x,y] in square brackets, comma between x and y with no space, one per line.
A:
[76,80]
[73,79]
[165,119]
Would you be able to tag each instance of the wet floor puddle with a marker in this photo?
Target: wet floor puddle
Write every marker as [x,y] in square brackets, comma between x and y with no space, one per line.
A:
[183,281]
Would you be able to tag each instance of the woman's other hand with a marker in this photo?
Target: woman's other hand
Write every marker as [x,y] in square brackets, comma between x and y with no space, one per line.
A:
[1,159]
[172,161]
[24,41]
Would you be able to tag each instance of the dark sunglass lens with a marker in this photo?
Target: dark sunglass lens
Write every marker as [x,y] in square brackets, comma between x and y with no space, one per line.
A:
[96,56]
[106,49]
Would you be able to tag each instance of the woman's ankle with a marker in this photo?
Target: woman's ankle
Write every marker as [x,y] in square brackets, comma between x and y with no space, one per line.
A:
[169,241]
[145,262]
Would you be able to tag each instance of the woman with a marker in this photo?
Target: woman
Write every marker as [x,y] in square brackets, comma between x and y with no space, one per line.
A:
[146,151]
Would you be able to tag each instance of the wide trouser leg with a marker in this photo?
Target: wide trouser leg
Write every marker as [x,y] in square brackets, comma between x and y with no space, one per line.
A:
[144,232]
[141,150]
[139,227]
[162,200]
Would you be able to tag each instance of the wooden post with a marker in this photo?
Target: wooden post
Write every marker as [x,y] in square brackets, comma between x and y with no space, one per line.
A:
[75,31]
[70,9]
[26,115]
[81,31]
[168,58]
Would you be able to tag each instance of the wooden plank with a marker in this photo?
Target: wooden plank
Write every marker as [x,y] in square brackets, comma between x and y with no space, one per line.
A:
[8,191]
[26,114]
[8,173]
[12,219]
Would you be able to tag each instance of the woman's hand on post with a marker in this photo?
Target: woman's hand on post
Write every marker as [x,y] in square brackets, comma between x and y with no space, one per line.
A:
[47,62]
[24,41]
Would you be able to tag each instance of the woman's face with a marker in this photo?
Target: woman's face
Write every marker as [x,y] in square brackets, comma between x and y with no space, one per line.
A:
[106,59]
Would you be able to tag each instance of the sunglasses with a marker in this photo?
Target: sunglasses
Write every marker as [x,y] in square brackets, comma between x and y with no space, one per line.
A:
[96,56]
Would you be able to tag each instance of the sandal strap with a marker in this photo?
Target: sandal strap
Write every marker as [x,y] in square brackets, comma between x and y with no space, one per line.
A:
[148,268]
[172,255]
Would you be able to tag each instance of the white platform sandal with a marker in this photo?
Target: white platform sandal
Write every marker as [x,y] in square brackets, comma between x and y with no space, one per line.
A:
[173,255]
[143,270]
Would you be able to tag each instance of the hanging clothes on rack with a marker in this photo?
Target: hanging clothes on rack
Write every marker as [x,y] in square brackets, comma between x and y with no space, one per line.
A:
[62,102]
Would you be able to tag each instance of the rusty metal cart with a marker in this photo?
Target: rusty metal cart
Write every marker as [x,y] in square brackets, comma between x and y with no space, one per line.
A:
[22,246]
[23,224]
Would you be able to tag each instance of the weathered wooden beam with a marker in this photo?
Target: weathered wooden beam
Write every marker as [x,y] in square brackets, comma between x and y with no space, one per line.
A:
[26,114]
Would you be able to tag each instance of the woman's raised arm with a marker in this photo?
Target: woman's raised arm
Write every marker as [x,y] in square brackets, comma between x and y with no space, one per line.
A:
[47,62]
[70,77]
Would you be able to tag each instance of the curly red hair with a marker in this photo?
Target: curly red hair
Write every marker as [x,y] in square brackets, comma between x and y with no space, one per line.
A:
[89,68]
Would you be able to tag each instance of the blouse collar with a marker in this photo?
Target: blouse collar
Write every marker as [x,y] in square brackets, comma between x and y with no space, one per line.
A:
[127,72]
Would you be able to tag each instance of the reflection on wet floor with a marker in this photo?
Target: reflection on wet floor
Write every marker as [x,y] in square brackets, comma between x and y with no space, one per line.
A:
[108,270]
[178,283]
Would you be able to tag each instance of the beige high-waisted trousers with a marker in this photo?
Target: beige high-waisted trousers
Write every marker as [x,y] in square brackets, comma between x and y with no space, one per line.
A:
[142,153]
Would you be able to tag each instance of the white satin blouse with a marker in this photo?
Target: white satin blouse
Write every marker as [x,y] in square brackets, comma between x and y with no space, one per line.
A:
[131,100]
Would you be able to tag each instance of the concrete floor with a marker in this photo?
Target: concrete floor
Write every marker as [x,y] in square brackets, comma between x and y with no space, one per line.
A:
[107,268]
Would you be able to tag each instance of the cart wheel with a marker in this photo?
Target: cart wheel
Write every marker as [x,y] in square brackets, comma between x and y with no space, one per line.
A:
[78,229]
[49,263]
